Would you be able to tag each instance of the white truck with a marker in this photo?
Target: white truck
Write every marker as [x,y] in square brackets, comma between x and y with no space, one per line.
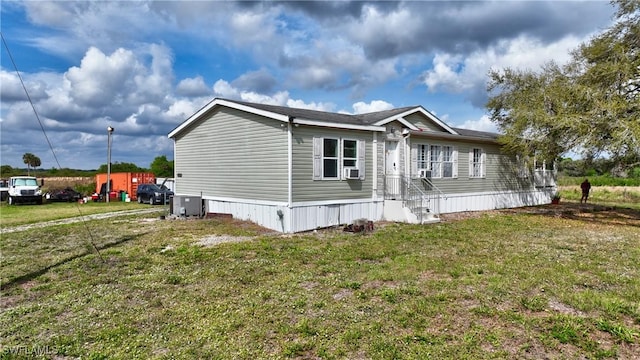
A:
[24,189]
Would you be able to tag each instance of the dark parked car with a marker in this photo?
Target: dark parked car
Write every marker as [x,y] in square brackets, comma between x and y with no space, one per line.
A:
[66,194]
[153,194]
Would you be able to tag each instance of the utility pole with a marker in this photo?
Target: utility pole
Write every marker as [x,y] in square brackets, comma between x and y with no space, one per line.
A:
[109,132]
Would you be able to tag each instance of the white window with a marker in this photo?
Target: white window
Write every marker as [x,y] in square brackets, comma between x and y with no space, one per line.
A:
[332,155]
[447,161]
[435,162]
[329,158]
[477,163]
[422,156]
[350,153]
[441,160]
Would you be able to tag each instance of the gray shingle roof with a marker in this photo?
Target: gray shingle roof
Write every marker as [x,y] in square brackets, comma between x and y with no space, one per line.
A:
[359,119]
[477,134]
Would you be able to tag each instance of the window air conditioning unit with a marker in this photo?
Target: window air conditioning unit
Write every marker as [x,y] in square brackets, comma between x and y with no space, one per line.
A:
[351,173]
[425,174]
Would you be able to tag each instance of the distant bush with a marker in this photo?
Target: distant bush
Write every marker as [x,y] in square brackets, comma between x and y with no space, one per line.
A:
[601,180]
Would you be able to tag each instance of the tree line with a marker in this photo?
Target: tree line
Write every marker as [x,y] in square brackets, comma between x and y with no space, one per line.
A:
[160,167]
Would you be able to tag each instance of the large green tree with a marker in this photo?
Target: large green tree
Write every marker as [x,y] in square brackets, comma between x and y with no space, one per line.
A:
[31,161]
[161,167]
[590,105]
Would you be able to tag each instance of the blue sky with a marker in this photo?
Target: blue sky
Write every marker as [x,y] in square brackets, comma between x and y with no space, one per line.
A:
[143,67]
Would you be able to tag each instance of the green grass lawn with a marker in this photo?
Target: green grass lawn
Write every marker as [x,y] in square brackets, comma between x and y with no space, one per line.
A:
[13,215]
[562,284]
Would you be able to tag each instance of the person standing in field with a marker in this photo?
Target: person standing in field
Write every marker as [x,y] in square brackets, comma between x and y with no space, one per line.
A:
[586,187]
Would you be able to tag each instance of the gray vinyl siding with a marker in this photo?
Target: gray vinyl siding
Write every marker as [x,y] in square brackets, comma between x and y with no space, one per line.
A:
[307,189]
[423,123]
[230,153]
[501,171]
[381,165]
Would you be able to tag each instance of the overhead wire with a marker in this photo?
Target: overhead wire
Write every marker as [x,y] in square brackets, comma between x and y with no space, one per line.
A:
[91,238]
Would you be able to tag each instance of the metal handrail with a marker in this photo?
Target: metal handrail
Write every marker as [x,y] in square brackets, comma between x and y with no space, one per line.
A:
[418,197]
[433,186]
[414,198]
[400,187]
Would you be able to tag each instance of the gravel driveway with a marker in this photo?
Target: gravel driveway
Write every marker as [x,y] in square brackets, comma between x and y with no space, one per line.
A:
[6,230]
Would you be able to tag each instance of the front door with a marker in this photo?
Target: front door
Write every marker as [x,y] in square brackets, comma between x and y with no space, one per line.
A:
[392,170]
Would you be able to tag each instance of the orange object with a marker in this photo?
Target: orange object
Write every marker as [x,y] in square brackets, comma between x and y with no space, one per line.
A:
[125,181]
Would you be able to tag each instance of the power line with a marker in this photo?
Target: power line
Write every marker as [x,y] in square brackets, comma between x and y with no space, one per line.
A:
[91,240]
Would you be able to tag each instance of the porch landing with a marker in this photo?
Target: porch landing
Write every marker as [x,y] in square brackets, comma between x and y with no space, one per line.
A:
[394,210]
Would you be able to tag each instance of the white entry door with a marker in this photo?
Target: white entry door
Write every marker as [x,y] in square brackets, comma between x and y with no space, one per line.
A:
[392,158]
[392,170]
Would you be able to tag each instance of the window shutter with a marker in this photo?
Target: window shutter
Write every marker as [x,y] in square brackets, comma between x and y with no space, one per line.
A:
[317,158]
[414,160]
[483,164]
[471,162]
[361,156]
[454,160]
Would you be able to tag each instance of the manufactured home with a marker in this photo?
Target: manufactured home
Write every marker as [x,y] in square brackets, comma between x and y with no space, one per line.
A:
[295,170]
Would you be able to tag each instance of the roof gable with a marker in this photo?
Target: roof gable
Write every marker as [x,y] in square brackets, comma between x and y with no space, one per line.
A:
[430,118]
[222,102]
[284,114]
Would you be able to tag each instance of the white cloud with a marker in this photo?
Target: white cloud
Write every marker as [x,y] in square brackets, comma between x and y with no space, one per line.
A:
[319,106]
[482,124]
[222,88]
[49,13]
[102,80]
[387,27]
[126,84]
[318,75]
[454,73]
[375,105]
[251,27]
[444,74]
[192,87]
[280,98]
[12,90]
[183,108]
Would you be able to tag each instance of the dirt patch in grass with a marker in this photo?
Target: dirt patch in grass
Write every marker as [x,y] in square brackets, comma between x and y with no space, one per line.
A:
[565,309]
[589,212]
[214,240]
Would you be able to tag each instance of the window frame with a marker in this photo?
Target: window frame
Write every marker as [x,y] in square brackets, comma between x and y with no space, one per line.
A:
[336,159]
[435,161]
[319,158]
[422,157]
[343,158]
[451,161]
[423,160]
[478,163]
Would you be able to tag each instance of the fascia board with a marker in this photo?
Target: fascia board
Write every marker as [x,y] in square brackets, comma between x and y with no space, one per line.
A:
[445,136]
[399,118]
[425,113]
[338,125]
